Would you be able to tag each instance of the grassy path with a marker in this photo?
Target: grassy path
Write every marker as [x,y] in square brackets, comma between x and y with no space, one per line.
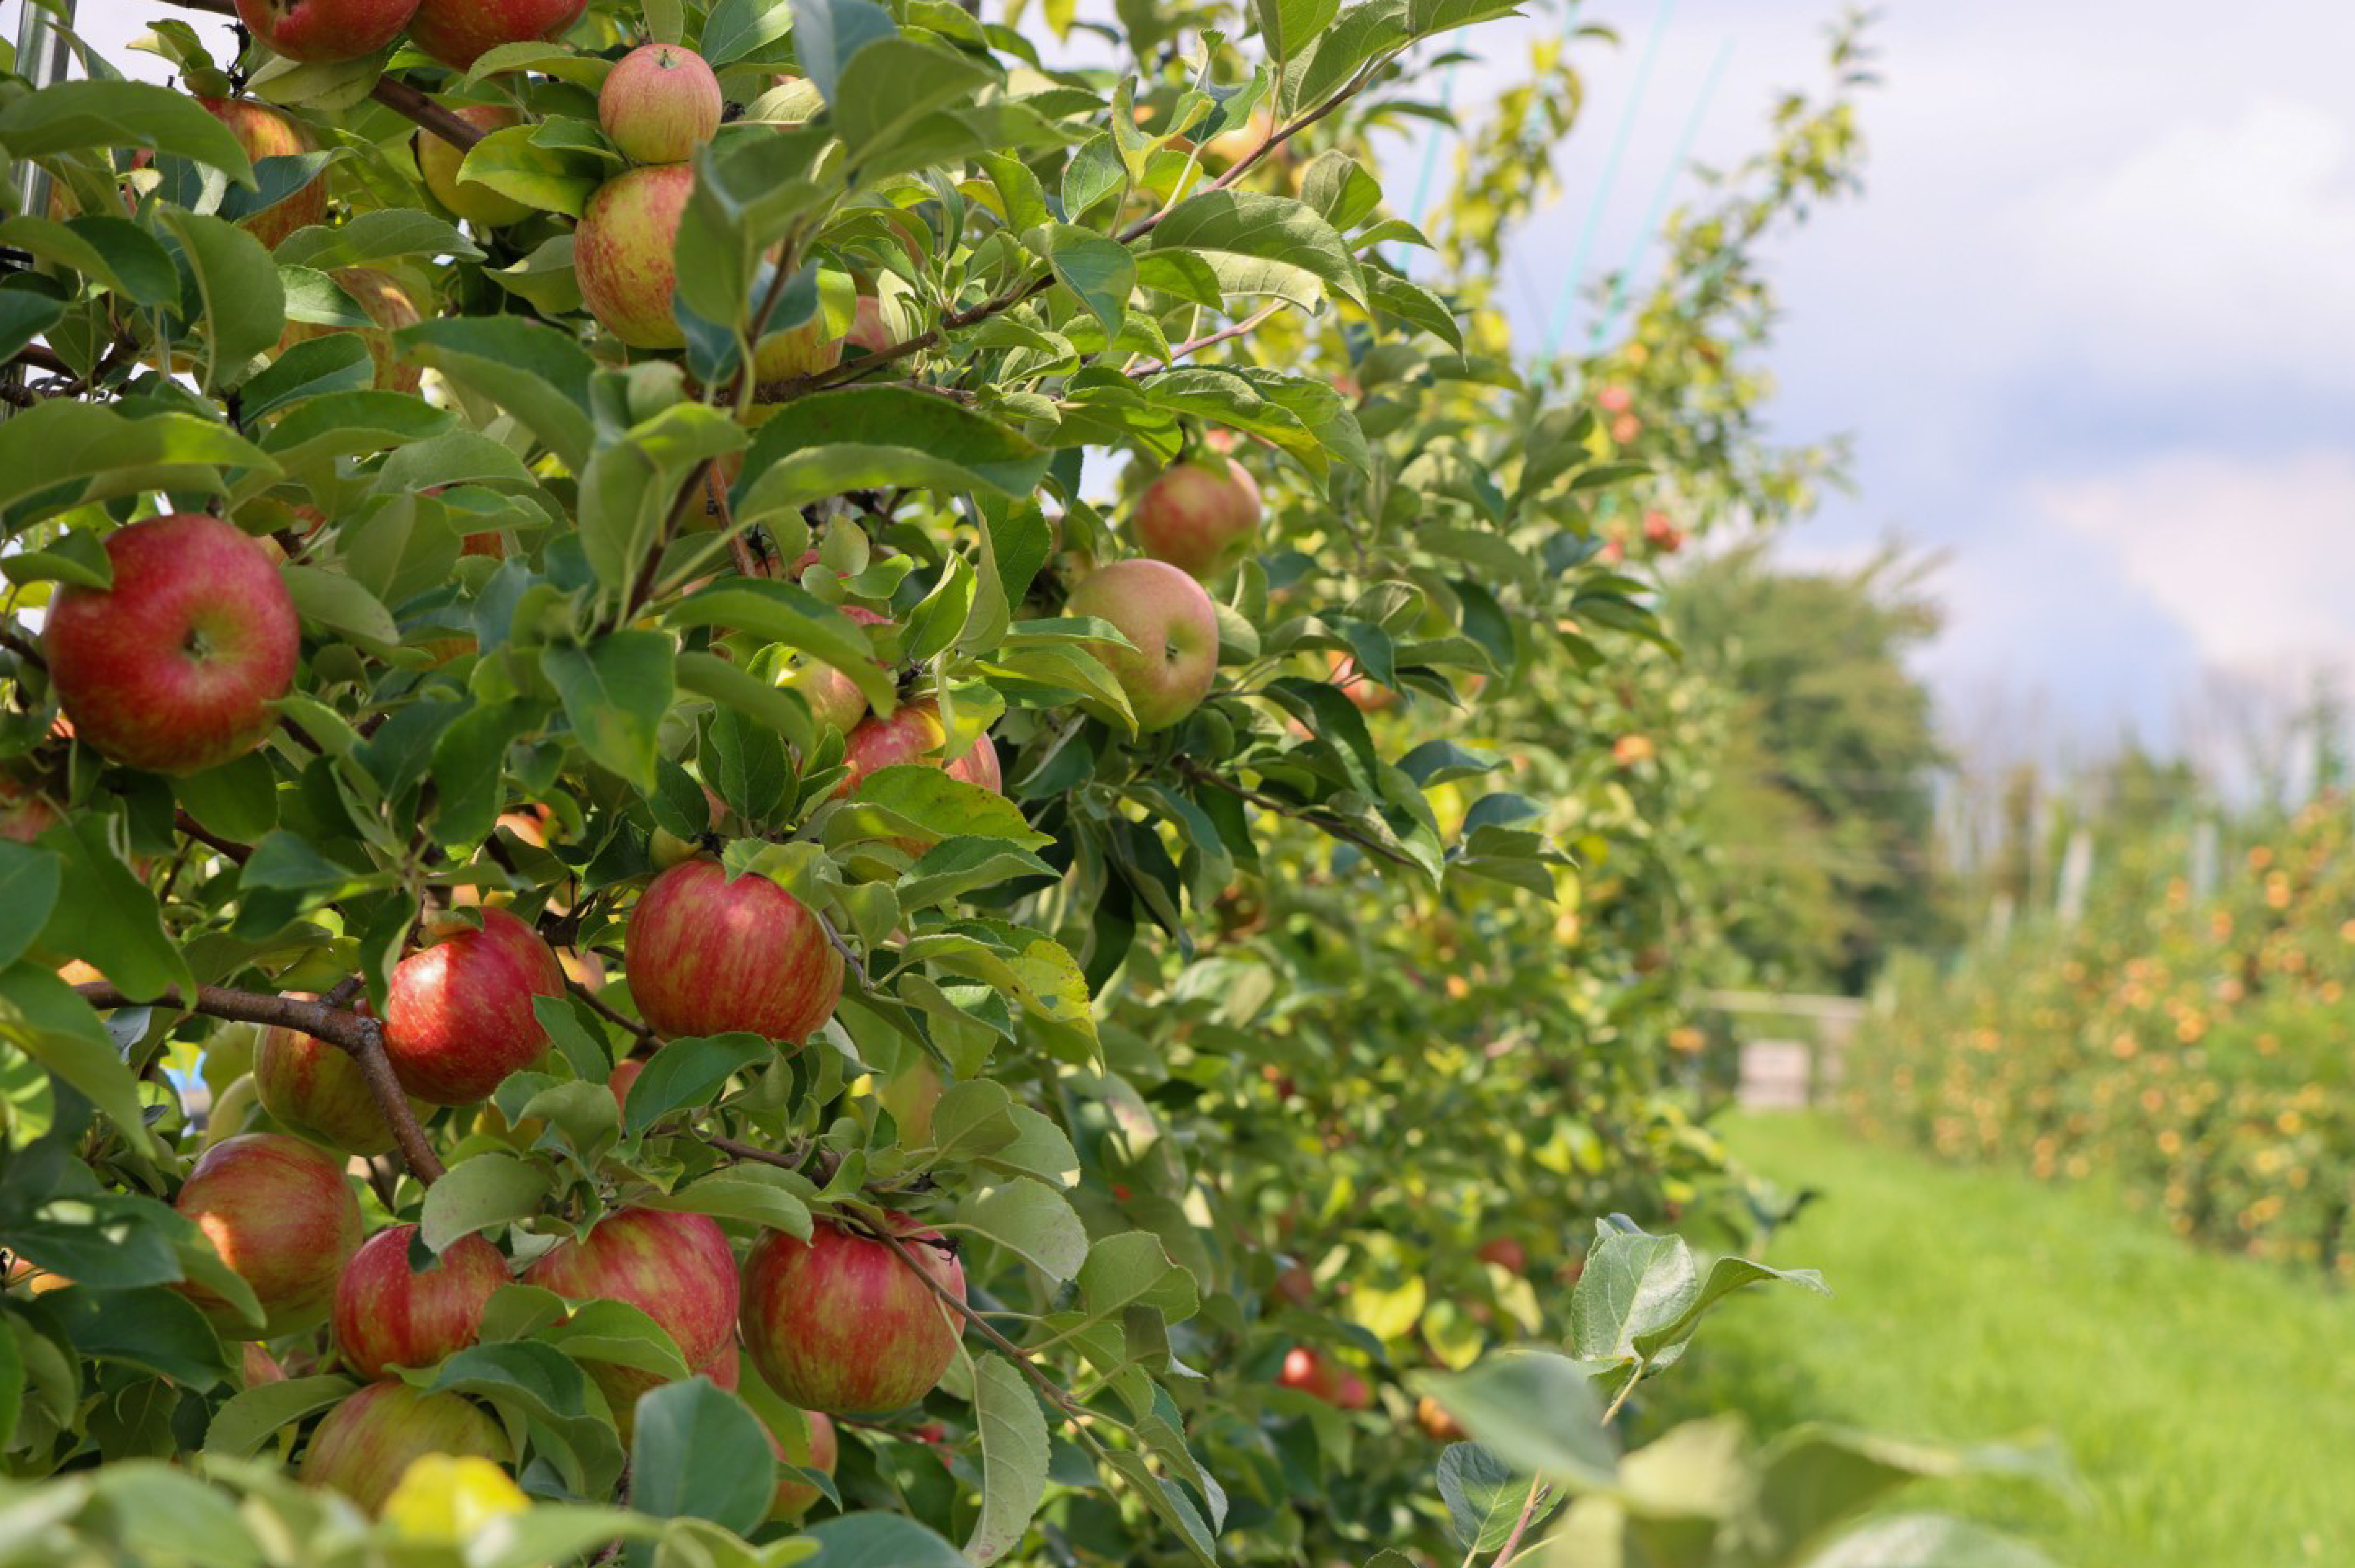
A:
[2209,1402]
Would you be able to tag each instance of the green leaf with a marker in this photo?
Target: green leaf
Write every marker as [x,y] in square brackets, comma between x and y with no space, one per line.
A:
[44,449]
[1483,1495]
[72,116]
[30,880]
[237,799]
[534,372]
[707,675]
[754,1195]
[1014,1451]
[890,84]
[245,303]
[894,803]
[1726,1275]
[879,1541]
[698,1451]
[864,438]
[1360,35]
[24,317]
[12,1384]
[736,27]
[1133,1269]
[469,759]
[388,234]
[155,1326]
[689,1073]
[1033,1219]
[108,1241]
[789,614]
[515,163]
[1426,18]
[113,252]
[957,866]
[248,1421]
[338,603]
[112,920]
[1286,26]
[480,1193]
[529,1382]
[615,691]
[828,33]
[1100,271]
[1813,1477]
[339,361]
[1534,1410]
[314,298]
[1264,244]
[1925,1541]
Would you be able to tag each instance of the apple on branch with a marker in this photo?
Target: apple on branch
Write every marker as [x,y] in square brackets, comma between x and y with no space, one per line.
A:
[1174,629]
[711,955]
[458,1016]
[839,1324]
[281,1215]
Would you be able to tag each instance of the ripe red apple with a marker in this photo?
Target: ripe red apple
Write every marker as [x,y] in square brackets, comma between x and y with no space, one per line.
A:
[388,305]
[458,1018]
[25,814]
[709,956]
[1174,627]
[727,1368]
[259,1366]
[623,1074]
[458,32]
[1662,534]
[620,253]
[283,1217]
[1505,1252]
[264,132]
[387,1316]
[1200,517]
[868,330]
[175,667]
[816,1449]
[1614,399]
[914,735]
[1310,1373]
[438,163]
[676,1268]
[364,1443]
[1629,750]
[325,31]
[659,104]
[318,1091]
[839,1324]
[1625,429]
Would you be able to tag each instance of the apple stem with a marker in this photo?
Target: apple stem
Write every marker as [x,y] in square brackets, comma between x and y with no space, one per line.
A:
[360,1037]
[406,100]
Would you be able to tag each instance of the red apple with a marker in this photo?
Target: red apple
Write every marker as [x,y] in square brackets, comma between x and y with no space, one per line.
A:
[318,1091]
[914,735]
[364,1443]
[1614,399]
[438,163]
[621,253]
[676,1268]
[1662,534]
[25,813]
[1310,1373]
[1503,1252]
[1168,618]
[659,104]
[869,331]
[839,1324]
[325,31]
[709,956]
[623,1074]
[264,132]
[458,32]
[259,1365]
[458,1018]
[1625,429]
[387,1316]
[174,669]
[1200,517]
[816,1448]
[283,1217]
[727,1368]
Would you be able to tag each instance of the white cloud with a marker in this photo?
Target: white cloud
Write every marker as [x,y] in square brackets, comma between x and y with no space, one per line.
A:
[2253,556]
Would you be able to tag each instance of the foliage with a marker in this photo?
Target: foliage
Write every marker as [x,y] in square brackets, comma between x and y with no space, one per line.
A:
[2184,1048]
[1115,1000]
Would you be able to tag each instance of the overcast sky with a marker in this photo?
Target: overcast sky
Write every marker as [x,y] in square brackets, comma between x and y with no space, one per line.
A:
[2092,324]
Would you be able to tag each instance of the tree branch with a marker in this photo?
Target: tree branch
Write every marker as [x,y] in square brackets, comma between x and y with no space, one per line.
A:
[1056,1393]
[355,1034]
[1210,340]
[611,1014]
[404,99]
[1200,774]
[210,840]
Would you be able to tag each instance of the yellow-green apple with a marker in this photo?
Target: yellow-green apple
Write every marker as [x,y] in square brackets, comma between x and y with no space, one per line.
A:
[659,104]
[388,305]
[621,253]
[387,1316]
[319,1091]
[803,350]
[283,1218]
[322,32]
[834,698]
[366,1442]
[1174,629]
[915,735]
[709,956]
[438,163]
[25,813]
[458,32]
[1200,517]
[676,1268]
[869,331]
[264,132]
[814,1448]
[1310,1373]
[458,1016]
[174,668]
[910,1096]
[838,1323]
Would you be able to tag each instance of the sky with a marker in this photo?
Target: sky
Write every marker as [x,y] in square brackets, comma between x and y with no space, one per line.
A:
[2091,326]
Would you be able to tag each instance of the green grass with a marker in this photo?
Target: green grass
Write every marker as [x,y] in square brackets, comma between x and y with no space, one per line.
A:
[2208,1403]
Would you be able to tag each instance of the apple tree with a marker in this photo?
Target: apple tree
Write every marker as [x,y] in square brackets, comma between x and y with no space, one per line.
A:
[638,924]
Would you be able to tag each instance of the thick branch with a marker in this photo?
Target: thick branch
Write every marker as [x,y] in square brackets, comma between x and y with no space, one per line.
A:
[360,1037]
[404,99]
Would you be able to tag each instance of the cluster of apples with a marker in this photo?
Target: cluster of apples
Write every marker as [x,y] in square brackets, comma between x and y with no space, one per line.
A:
[456,32]
[836,1325]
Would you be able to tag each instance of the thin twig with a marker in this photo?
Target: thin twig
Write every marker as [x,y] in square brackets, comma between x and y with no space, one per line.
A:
[1055,1391]
[611,1014]
[1210,340]
[210,840]
[355,1034]
[406,100]
[842,948]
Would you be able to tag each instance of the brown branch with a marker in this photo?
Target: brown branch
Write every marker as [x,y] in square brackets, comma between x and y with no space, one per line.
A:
[210,840]
[404,99]
[15,644]
[818,1164]
[1200,774]
[1055,1391]
[39,357]
[611,1014]
[357,1035]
